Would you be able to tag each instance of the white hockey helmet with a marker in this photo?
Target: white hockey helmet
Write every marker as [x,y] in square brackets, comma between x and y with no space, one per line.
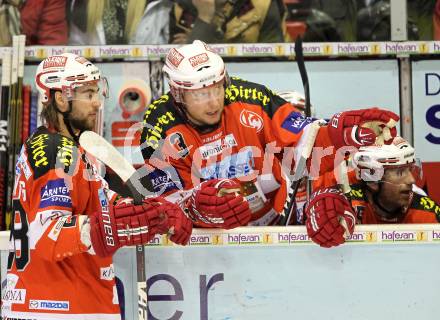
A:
[66,72]
[193,66]
[379,157]
[295,98]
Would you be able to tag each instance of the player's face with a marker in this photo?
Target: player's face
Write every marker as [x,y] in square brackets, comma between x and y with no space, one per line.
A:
[205,106]
[85,107]
[396,188]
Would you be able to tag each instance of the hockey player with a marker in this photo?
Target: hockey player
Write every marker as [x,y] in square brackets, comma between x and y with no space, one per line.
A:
[224,139]
[386,193]
[67,223]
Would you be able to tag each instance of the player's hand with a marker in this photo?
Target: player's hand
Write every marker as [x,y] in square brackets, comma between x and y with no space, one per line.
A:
[218,203]
[330,217]
[361,127]
[125,224]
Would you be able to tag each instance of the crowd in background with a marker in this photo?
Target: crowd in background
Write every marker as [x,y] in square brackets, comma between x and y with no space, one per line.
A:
[99,22]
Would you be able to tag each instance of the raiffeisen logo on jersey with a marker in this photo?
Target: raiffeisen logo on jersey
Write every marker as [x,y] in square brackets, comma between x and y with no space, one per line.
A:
[49,305]
[55,193]
[216,147]
[234,166]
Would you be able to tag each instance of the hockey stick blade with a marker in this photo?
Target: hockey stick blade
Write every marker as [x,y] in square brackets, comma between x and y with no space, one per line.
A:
[102,150]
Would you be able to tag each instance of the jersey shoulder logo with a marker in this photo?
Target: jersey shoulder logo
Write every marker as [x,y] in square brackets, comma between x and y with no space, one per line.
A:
[251,119]
[425,203]
[48,151]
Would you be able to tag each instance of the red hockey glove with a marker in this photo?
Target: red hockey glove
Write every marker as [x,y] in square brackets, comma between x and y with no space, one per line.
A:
[124,224]
[218,203]
[361,127]
[330,217]
[176,224]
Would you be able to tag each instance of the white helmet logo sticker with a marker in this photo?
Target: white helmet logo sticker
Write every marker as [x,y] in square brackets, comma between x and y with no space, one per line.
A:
[198,59]
[175,57]
[54,62]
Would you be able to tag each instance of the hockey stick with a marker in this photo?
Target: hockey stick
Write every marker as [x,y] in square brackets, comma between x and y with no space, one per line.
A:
[12,130]
[98,147]
[19,114]
[4,110]
[301,163]
[341,172]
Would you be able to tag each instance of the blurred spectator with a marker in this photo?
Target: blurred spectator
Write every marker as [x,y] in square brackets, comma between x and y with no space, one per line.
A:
[374,20]
[44,22]
[343,13]
[221,21]
[420,12]
[98,22]
[436,21]
[9,21]
[153,27]
[323,21]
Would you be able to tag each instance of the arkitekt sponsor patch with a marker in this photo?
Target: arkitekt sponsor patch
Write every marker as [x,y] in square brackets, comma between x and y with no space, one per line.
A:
[55,193]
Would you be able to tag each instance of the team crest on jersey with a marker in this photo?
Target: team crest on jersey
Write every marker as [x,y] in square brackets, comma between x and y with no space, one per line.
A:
[251,119]
[55,193]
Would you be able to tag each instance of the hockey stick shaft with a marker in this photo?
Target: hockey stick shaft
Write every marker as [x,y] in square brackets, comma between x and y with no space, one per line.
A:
[98,147]
[12,130]
[302,165]
[4,144]
[300,168]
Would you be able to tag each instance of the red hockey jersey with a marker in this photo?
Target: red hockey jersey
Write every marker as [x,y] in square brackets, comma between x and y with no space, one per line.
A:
[250,144]
[421,210]
[50,273]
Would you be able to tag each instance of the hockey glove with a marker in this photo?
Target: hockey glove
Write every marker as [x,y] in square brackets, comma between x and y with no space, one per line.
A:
[361,127]
[218,203]
[177,225]
[330,217]
[126,224]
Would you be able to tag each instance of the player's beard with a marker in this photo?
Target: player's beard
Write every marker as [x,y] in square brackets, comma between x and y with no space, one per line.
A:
[82,124]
